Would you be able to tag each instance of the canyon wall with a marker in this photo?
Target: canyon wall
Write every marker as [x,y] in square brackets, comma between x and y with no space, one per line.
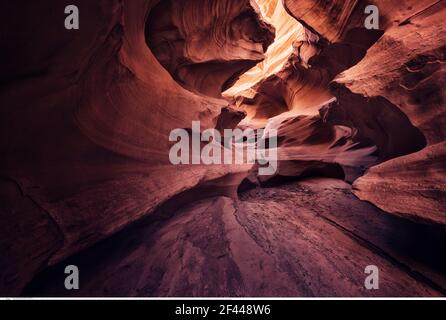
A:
[85,121]
[85,115]
[403,69]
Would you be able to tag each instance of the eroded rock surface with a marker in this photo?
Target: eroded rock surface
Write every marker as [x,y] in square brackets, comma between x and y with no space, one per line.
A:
[85,119]
[404,69]
[206,45]
[272,242]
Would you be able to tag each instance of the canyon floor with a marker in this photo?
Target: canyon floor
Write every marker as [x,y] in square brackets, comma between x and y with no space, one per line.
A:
[304,238]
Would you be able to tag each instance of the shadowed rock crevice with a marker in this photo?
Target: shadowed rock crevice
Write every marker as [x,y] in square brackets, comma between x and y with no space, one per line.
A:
[19,212]
[377,122]
[206,45]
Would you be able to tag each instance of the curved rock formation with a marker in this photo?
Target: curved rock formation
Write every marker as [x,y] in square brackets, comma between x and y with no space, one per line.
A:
[414,183]
[85,119]
[87,140]
[206,45]
[398,69]
[414,82]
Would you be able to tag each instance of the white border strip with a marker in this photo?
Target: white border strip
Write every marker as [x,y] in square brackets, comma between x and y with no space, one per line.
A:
[226,299]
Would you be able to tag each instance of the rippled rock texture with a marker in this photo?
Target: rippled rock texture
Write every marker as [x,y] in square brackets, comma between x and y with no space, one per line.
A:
[86,118]
[403,69]
[205,45]
[271,242]
[85,176]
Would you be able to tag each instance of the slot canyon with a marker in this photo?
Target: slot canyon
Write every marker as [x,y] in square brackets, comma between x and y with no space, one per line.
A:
[85,176]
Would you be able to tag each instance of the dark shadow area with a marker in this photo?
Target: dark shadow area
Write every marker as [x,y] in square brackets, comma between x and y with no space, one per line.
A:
[50,281]
[287,172]
[377,120]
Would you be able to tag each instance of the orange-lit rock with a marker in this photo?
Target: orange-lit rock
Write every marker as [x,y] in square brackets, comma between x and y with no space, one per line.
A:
[85,125]
[206,45]
[85,118]
[410,76]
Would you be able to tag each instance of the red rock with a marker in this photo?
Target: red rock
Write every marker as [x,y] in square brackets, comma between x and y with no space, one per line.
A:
[85,117]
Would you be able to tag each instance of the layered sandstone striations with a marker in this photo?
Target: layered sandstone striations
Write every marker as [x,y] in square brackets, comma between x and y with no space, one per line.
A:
[206,45]
[404,69]
[85,118]
[287,91]
[271,242]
